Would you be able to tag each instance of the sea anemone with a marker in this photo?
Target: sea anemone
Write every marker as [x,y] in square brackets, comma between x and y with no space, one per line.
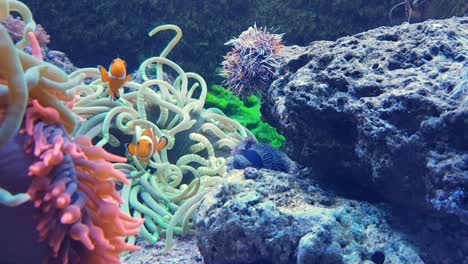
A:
[72,190]
[167,190]
[250,65]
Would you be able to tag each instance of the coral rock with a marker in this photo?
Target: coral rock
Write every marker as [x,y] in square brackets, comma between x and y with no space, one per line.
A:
[383,109]
[277,218]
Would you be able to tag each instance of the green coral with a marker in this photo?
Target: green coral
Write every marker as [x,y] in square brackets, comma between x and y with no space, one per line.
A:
[247,113]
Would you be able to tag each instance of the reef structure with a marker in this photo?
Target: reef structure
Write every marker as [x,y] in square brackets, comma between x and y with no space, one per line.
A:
[385,109]
[165,192]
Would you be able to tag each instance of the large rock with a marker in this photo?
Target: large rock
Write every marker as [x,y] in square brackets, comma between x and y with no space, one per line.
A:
[274,217]
[386,109]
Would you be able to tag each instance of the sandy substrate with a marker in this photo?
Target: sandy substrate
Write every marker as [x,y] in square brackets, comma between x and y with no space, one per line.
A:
[184,251]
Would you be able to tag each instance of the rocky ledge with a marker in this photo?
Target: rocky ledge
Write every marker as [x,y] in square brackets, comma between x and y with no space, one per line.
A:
[273,217]
[385,110]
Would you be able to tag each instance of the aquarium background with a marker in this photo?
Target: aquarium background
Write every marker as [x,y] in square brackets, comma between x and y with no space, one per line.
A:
[342,137]
[95,32]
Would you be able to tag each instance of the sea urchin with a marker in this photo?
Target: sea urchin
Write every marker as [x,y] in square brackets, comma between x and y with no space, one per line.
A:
[250,65]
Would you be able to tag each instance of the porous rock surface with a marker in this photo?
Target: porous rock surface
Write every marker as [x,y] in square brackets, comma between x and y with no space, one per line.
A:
[184,251]
[386,109]
[276,217]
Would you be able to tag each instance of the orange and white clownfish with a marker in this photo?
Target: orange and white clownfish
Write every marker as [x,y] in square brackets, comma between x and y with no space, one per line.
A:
[147,145]
[116,77]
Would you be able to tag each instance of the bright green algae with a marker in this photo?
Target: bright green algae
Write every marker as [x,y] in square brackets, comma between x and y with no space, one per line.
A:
[247,113]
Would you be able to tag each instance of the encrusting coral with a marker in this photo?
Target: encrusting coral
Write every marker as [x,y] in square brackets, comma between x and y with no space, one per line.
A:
[167,191]
[15,27]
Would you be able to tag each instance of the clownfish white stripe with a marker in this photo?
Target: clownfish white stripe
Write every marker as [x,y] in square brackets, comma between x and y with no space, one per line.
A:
[147,145]
[145,137]
[120,78]
[116,77]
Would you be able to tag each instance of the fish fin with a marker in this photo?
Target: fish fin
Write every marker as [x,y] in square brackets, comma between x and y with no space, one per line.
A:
[162,143]
[127,78]
[104,74]
[116,95]
[132,149]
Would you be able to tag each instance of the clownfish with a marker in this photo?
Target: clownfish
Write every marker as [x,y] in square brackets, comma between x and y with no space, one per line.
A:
[116,77]
[147,145]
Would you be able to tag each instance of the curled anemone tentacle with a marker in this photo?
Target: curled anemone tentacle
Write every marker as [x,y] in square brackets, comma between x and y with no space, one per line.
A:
[168,179]
[16,93]
[8,199]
